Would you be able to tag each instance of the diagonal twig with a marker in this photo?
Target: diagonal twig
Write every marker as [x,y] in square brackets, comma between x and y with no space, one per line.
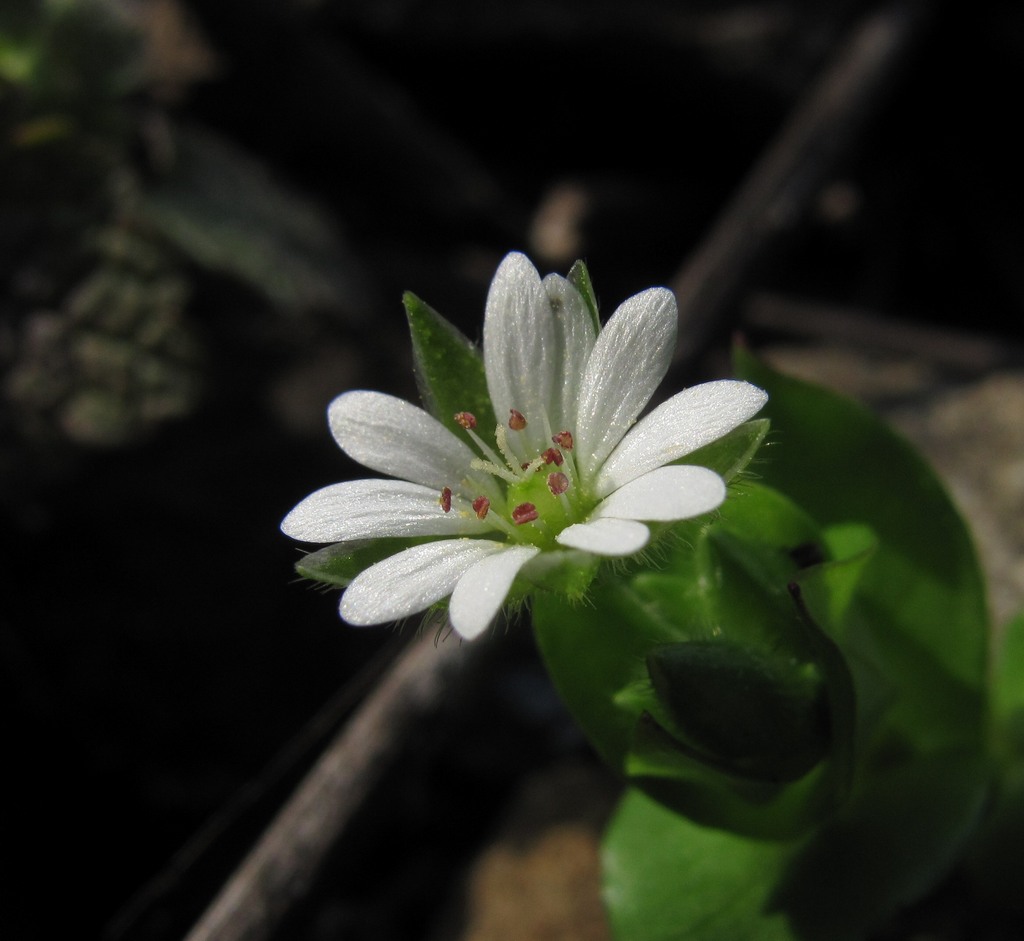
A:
[789,173]
[284,862]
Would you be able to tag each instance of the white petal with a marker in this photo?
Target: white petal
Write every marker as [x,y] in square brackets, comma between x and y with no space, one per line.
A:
[362,509]
[481,592]
[576,334]
[687,421]
[412,580]
[520,351]
[630,358]
[667,493]
[393,437]
[611,537]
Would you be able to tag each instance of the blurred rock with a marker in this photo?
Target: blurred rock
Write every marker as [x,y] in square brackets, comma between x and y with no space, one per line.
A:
[540,879]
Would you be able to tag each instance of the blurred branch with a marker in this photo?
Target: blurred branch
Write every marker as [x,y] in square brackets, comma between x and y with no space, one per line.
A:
[280,868]
[192,866]
[960,350]
[789,173]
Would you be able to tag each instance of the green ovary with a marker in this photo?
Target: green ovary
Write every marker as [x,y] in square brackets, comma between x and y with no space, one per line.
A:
[554,512]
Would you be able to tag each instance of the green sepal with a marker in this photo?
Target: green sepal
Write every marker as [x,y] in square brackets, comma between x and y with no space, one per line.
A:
[579,278]
[731,453]
[338,564]
[449,368]
[567,572]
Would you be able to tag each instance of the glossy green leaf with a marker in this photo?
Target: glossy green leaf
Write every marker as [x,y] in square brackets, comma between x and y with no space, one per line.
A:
[667,879]
[449,368]
[922,592]
[885,849]
[994,859]
[1008,686]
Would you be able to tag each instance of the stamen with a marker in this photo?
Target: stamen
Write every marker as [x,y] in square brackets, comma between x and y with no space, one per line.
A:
[501,439]
[524,513]
[553,456]
[558,483]
[563,439]
[484,449]
[446,499]
[535,464]
[481,505]
[490,468]
[570,464]
[516,420]
[466,419]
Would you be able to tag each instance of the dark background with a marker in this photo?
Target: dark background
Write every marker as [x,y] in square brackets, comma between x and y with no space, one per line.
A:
[209,215]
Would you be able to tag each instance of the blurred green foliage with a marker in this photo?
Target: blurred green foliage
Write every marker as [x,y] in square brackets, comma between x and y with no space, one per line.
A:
[113,218]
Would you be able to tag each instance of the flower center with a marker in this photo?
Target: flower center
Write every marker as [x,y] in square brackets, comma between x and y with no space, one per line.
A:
[553,511]
[531,500]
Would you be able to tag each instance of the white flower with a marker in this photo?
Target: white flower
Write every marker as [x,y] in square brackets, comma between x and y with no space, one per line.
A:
[570,468]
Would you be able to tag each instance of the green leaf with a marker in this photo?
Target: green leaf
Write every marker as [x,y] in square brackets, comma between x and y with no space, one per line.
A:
[921,616]
[994,859]
[1008,687]
[449,368]
[885,849]
[667,879]
[594,650]
[832,584]
[993,867]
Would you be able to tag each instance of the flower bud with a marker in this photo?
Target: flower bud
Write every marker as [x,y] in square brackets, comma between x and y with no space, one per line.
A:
[750,713]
